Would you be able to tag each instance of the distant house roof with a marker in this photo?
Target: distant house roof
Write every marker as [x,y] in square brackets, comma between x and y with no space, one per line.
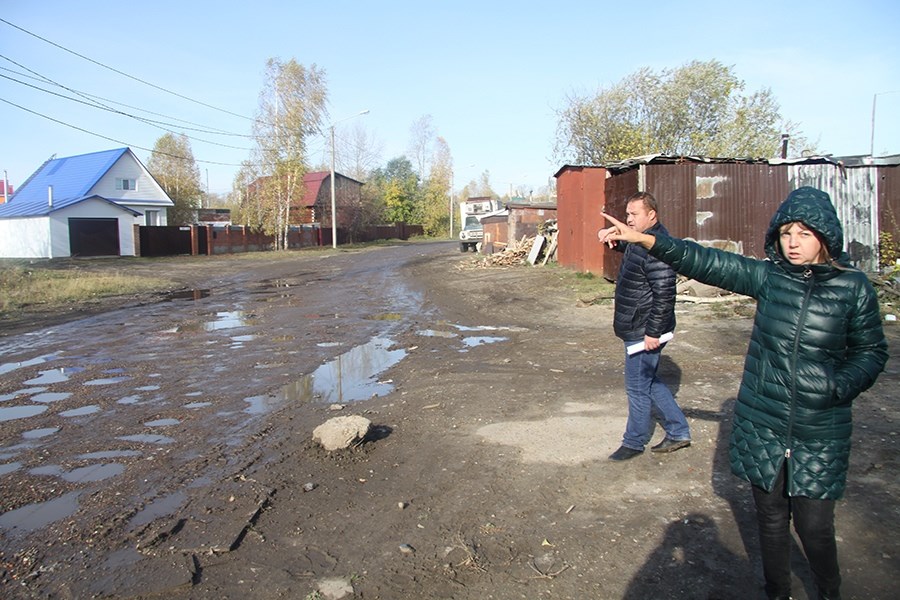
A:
[71,178]
[314,181]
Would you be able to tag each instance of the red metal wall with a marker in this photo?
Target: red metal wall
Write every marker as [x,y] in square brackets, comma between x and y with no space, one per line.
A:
[580,196]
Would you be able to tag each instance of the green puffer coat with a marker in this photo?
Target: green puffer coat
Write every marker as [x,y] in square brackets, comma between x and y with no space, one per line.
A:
[817,343]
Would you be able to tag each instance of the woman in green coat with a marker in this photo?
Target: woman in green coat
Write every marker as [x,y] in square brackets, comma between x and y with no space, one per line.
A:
[817,343]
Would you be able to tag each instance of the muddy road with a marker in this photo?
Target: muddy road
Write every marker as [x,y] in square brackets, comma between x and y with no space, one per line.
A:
[162,448]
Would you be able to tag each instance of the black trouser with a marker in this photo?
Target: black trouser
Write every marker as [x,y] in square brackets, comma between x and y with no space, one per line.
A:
[814,523]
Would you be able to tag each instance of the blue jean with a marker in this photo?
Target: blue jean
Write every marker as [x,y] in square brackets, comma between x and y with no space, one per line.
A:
[649,399]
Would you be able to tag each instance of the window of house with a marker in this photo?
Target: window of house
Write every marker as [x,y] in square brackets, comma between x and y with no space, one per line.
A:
[151,217]
[126,184]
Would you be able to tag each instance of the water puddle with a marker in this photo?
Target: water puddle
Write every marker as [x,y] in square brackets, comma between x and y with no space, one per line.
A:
[261,404]
[197,404]
[436,333]
[187,295]
[36,434]
[38,360]
[147,438]
[480,340]
[54,376]
[226,320]
[12,413]
[162,423]
[48,397]
[34,516]
[80,412]
[10,467]
[350,377]
[109,454]
[93,473]
[328,344]
[159,508]
[107,380]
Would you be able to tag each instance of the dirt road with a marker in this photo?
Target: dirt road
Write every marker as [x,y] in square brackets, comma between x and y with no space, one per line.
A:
[163,449]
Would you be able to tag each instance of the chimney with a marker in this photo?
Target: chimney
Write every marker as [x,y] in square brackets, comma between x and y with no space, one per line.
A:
[50,196]
[784,144]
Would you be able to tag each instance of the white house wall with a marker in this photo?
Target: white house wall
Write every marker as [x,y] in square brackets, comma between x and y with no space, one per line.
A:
[90,209]
[148,195]
[25,238]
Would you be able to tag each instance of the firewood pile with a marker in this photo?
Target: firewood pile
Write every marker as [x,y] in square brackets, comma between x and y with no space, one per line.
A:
[537,249]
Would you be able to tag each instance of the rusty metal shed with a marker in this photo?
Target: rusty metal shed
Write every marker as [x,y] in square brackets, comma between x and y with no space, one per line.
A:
[520,219]
[725,202]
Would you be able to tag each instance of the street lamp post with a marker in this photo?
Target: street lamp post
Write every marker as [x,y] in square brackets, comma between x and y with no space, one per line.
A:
[333,203]
[874,98]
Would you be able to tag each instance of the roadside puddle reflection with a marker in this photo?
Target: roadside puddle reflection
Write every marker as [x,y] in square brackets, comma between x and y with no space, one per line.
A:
[226,320]
[350,377]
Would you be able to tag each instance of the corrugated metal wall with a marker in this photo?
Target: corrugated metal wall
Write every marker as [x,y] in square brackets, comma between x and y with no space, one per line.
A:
[727,205]
[853,192]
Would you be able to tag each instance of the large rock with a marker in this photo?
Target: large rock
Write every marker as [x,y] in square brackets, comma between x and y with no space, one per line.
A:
[341,432]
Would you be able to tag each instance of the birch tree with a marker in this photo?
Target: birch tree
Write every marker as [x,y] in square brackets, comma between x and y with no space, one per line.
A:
[291,110]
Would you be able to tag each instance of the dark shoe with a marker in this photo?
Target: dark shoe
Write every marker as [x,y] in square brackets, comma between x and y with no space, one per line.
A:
[624,453]
[670,445]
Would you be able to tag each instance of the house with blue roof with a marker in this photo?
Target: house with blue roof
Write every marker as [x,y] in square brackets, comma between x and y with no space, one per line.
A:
[85,205]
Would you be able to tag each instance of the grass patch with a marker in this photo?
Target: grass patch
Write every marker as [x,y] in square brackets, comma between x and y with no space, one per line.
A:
[24,287]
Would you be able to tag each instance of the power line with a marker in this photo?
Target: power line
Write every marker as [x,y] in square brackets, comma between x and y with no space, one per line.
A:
[114,70]
[208,162]
[96,100]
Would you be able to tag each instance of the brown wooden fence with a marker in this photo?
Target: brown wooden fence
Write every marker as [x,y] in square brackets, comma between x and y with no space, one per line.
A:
[231,239]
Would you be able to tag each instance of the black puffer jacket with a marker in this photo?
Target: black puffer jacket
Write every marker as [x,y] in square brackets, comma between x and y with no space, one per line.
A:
[817,343]
[645,293]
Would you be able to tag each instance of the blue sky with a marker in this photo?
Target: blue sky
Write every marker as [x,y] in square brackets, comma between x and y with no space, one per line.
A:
[491,75]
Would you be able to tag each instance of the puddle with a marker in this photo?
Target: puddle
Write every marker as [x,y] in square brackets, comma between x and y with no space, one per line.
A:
[7,367]
[80,412]
[261,404]
[48,397]
[194,394]
[197,404]
[435,333]
[54,376]
[23,392]
[37,515]
[12,413]
[109,454]
[226,320]
[480,340]
[36,434]
[129,400]
[107,380]
[328,344]
[187,295]
[162,423]
[350,377]
[10,467]
[146,388]
[147,438]
[159,508]
[93,473]
[242,338]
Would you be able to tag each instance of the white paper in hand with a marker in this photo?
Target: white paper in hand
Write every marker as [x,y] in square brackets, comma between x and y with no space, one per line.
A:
[639,346]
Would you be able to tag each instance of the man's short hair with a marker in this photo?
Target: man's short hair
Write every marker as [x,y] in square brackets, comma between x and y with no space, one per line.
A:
[646,197]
